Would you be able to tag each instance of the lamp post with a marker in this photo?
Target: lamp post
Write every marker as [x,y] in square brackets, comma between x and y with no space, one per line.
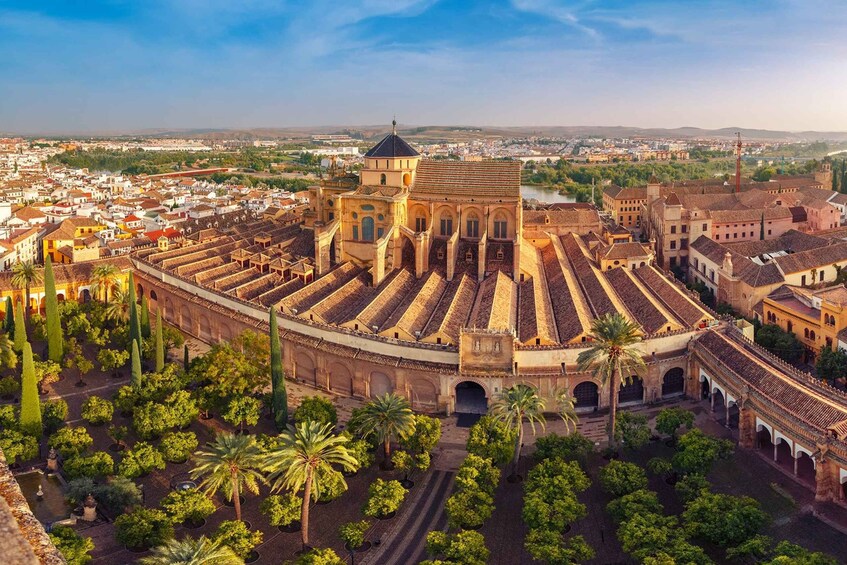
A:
[352,555]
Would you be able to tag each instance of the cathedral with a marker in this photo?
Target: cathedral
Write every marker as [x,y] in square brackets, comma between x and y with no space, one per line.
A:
[404,210]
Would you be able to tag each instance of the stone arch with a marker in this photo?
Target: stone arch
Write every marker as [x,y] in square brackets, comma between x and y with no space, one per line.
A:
[673,383]
[139,290]
[471,397]
[85,295]
[168,310]
[380,384]
[185,322]
[587,395]
[304,368]
[60,297]
[205,328]
[423,394]
[632,392]
[226,333]
[340,379]
[153,295]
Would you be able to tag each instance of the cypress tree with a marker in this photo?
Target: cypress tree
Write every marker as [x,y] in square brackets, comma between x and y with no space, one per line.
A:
[185,362]
[145,317]
[762,231]
[20,328]
[279,396]
[30,418]
[9,320]
[134,322]
[135,380]
[160,343]
[54,324]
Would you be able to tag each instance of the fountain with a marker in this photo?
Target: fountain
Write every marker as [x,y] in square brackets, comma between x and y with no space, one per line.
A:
[45,496]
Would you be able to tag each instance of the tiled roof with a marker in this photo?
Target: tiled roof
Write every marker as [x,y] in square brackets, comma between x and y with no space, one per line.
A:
[392,145]
[498,179]
[626,193]
[814,258]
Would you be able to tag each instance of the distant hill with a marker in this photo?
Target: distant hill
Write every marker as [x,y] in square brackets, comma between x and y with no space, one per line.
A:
[436,133]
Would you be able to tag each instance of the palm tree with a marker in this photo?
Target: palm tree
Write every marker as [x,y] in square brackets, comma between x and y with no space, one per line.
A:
[306,453]
[190,551]
[231,463]
[614,353]
[117,308]
[24,275]
[514,405]
[567,408]
[104,278]
[390,417]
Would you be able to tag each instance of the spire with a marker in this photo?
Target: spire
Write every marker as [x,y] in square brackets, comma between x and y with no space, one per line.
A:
[738,163]
[394,125]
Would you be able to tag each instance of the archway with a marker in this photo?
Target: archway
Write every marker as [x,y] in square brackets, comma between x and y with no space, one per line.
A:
[340,379]
[673,382]
[764,440]
[140,291]
[380,384]
[85,296]
[168,311]
[304,369]
[805,467]
[586,395]
[185,321]
[205,329]
[470,398]
[423,394]
[632,392]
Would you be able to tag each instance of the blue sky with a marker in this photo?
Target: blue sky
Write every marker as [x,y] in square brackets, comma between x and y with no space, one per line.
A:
[94,65]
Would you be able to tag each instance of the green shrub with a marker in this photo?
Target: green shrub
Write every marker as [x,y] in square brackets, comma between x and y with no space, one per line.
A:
[619,478]
[316,409]
[98,464]
[70,441]
[18,446]
[9,386]
[569,447]
[281,509]
[177,447]
[53,413]
[97,411]
[332,484]
[190,505]
[492,439]
[73,547]
[353,533]
[234,533]
[143,527]
[384,497]
[140,460]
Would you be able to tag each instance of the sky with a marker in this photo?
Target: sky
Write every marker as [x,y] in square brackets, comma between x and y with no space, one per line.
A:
[112,65]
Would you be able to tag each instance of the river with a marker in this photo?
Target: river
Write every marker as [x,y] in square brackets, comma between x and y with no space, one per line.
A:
[544,194]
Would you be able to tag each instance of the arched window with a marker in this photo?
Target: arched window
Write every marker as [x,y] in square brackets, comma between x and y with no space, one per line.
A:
[447,225]
[806,333]
[500,226]
[367,228]
[472,227]
[382,178]
[812,335]
[420,222]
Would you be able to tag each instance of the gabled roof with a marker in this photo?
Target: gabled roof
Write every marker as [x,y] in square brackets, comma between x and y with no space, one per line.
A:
[392,145]
[499,179]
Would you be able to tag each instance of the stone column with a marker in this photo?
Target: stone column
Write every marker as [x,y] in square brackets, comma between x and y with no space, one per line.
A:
[728,426]
[775,445]
[823,479]
[746,428]
[795,464]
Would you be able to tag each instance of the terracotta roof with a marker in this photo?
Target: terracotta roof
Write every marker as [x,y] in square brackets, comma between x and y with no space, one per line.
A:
[813,258]
[626,193]
[498,179]
[673,200]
